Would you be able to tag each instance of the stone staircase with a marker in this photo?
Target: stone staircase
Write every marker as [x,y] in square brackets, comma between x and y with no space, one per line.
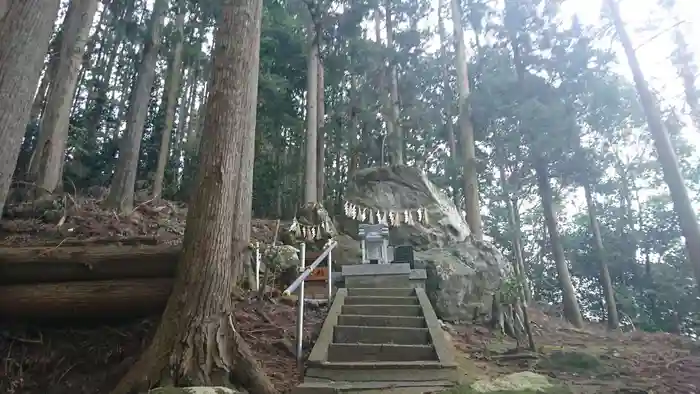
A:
[381,336]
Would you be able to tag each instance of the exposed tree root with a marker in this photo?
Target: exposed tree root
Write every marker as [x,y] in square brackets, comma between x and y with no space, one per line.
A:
[210,353]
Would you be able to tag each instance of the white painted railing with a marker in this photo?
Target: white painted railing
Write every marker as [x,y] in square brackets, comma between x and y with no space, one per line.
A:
[299,284]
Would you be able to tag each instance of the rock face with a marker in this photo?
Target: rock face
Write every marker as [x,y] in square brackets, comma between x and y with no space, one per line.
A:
[280,257]
[462,274]
[193,390]
[462,278]
[407,195]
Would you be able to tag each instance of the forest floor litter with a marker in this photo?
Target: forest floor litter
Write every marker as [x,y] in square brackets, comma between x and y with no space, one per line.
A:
[79,359]
[589,360]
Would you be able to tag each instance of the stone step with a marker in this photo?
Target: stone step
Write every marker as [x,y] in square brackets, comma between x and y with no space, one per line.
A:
[382,321]
[379,292]
[377,275]
[407,371]
[383,310]
[365,352]
[379,335]
[376,387]
[380,300]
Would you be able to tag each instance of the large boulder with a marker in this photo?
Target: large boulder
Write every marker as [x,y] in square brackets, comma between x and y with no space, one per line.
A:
[418,212]
[462,278]
[280,257]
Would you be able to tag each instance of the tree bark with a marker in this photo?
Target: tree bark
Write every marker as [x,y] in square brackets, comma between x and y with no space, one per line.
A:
[452,172]
[85,300]
[25,32]
[466,128]
[667,157]
[605,282]
[197,342]
[47,162]
[515,235]
[394,130]
[121,193]
[354,116]
[171,94]
[321,144]
[572,312]
[310,186]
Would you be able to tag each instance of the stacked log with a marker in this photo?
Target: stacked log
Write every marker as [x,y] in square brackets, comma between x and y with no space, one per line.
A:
[90,280]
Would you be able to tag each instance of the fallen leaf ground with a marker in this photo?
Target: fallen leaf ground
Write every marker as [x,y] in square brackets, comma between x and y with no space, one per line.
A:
[589,360]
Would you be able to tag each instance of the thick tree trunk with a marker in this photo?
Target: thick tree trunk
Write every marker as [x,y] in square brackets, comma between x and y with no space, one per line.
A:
[197,342]
[466,128]
[605,282]
[121,193]
[667,157]
[310,186]
[84,300]
[49,155]
[572,312]
[394,131]
[171,94]
[25,32]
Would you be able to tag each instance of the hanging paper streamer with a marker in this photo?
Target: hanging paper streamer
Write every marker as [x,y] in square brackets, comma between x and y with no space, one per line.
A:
[391,218]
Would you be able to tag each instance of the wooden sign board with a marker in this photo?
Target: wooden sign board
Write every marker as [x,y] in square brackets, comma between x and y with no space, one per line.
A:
[319,274]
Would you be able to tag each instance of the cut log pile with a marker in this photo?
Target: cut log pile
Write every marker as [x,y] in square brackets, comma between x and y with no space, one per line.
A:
[85,280]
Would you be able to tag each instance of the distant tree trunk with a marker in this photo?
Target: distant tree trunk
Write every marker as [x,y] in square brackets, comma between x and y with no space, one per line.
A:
[47,162]
[121,194]
[198,342]
[394,131]
[572,312]
[687,71]
[321,144]
[353,143]
[185,115]
[515,233]
[466,128]
[383,120]
[310,187]
[520,253]
[667,157]
[172,90]
[25,32]
[49,73]
[605,282]
[453,173]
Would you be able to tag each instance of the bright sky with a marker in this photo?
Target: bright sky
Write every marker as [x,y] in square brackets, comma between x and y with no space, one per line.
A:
[654,47]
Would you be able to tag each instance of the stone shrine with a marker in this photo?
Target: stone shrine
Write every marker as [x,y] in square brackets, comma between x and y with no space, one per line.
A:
[374,241]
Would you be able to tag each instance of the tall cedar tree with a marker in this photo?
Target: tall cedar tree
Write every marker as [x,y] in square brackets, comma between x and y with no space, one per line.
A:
[197,342]
[25,28]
